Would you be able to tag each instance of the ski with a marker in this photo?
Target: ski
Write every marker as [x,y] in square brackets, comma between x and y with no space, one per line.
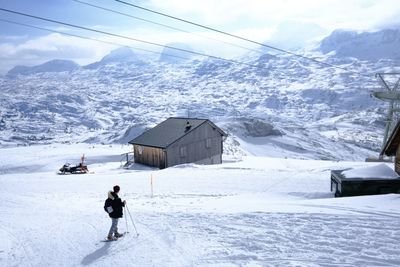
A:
[114,238]
[109,240]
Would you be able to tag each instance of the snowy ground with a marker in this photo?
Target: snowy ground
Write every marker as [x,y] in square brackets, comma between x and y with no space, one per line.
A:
[254,212]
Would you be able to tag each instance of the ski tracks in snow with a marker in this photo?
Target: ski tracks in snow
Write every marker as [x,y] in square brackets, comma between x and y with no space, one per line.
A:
[157,245]
[276,239]
[162,243]
[12,249]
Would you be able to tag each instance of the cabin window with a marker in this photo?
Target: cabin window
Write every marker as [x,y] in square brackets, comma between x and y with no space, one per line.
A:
[140,150]
[208,143]
[183,151]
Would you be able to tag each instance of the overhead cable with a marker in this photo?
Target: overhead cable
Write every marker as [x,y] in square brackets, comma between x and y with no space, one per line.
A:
[89,38]
[127,37]
[239,37]
[166,26]
[118,44]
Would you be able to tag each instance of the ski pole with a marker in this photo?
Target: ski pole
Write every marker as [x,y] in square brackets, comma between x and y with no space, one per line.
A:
[133,223]
[126,221]
[134,226]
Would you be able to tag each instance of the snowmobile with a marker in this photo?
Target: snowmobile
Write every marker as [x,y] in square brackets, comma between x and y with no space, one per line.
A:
[80,168]
[73,169]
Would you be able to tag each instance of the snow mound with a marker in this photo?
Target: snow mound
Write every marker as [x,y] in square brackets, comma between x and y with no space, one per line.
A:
[378,171]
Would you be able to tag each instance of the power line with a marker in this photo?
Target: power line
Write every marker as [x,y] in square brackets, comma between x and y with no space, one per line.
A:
[118,44]
[238,37]
[89,38]
[127,37]
[108,42]
[165,25]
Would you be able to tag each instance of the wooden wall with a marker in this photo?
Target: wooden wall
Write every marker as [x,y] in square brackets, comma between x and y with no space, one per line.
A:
[194,147]
[150,156]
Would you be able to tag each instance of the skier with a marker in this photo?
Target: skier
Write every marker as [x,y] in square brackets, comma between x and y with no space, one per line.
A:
[113,206]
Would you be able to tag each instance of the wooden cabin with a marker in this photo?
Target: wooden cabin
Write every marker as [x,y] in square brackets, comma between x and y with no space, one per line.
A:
[178,141]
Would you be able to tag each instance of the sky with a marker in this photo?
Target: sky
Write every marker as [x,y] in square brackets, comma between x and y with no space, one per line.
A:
[297,23]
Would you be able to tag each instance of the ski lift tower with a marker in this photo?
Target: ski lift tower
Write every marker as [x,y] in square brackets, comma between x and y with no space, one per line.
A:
[390,94]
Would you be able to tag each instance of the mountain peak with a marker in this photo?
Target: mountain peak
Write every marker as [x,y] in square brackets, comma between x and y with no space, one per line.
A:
[371,46]
[170,55]
[122,54]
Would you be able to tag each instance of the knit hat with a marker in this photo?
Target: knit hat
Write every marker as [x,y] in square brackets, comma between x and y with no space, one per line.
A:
[116,188]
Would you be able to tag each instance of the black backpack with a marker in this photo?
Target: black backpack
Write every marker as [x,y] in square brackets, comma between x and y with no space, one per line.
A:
[108,206]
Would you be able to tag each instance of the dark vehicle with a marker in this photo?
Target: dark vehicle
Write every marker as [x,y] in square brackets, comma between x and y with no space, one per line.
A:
[73,169]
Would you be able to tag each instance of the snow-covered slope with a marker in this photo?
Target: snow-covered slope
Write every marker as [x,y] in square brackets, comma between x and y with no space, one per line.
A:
[284,107]
[254,212]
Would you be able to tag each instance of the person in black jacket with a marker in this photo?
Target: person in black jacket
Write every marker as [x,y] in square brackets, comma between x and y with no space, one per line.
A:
[113,206]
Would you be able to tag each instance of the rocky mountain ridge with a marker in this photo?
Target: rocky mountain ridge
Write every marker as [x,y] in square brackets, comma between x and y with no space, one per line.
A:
[55,65]
[371,46]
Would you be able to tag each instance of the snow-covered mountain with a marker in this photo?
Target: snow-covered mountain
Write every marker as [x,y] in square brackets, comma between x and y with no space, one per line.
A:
[56,65]
[371,46]
[119,55]
[284,107]
[174,56]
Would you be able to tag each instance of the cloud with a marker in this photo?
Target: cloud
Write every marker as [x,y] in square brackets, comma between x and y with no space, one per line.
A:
[388,19]
[258,20]
[208,11]
[48,47]
[356,14]
[210,43]
[12,38]
[293,35]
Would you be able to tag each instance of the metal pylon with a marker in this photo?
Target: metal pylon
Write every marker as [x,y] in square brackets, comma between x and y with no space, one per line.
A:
[392,96]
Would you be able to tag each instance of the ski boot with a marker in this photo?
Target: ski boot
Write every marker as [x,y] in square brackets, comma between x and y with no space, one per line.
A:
[118,235]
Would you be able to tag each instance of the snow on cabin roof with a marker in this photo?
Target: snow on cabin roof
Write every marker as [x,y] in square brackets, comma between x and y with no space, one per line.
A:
[379,171]
[169,131]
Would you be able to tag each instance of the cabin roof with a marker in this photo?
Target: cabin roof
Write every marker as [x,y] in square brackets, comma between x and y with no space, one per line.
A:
[393,142]
[169,131]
